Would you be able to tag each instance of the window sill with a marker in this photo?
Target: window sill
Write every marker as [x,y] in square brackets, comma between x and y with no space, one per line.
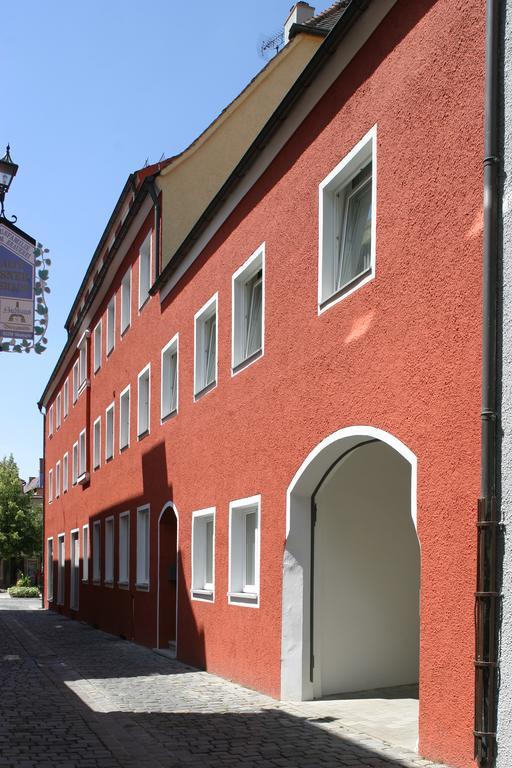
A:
[83,478]
[97,370]
[109,584]
[143,587]
[124,448]
[168,416]
[125,331]
[98,466]
[107,354]
[96,582]
[85,581]
[143,434]
[250,599]
[347,288]
[204,391]
[123,584]
[108,458]
[143,304]
[83,386]
[204,595]
[247,362]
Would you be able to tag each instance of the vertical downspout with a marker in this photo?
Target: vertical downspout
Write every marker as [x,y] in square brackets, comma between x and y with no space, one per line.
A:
[43,549]
[153,191]
[486,593]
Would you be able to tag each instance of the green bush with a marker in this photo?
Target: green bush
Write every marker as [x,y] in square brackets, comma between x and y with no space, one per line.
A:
[23,581]
[23,592]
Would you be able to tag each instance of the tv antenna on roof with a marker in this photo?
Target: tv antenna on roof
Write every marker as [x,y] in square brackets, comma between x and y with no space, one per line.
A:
[269,46]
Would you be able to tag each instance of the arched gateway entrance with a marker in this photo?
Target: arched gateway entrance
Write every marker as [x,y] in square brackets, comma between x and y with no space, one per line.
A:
[351,570]
[167,593]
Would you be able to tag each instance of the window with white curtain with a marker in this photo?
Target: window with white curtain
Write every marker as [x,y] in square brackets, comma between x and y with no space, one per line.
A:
[109,432]
[124,548]
[96,551]
[205,342]
[111,325]
[97,347]
[169,378]
[96,439]
[347,223]
[126,301]
[124,418]
[203,554]
[143,401]
[248,310]
[244,525]
[144,271]
[109,550]
[143,547]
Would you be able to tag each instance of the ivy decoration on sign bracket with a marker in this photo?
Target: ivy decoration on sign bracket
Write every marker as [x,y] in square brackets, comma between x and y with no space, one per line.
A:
[39,342]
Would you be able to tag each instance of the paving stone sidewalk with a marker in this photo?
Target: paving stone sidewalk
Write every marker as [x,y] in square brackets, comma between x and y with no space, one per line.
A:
[75,697]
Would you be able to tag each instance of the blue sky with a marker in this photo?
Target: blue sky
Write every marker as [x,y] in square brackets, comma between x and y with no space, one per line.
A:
[90,91]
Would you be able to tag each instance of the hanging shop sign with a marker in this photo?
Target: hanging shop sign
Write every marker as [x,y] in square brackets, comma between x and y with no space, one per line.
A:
[23,286]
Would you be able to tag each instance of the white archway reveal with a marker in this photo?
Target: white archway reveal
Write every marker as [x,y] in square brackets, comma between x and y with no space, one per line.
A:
[295,644]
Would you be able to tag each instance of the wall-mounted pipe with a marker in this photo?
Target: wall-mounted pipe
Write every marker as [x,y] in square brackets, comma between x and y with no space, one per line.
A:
[486,662]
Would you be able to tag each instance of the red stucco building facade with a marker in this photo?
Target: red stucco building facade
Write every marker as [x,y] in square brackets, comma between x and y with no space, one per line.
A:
[392,357]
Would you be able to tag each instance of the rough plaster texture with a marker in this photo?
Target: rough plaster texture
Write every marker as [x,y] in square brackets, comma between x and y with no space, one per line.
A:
[401,354]
[504,759]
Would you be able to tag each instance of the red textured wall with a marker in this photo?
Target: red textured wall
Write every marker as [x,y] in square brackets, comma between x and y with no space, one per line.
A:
[402,354]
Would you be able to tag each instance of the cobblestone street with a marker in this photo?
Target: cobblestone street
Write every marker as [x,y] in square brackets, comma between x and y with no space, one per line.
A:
[74,696]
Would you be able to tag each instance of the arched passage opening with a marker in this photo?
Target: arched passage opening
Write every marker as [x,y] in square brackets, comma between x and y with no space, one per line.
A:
[167,597]
[351,570]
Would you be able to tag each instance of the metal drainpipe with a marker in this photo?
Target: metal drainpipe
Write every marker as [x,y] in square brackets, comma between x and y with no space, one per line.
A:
[486,663]
[153,191]
[43,549]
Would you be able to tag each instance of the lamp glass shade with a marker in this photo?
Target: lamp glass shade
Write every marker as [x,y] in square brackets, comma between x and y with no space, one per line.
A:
[5,177]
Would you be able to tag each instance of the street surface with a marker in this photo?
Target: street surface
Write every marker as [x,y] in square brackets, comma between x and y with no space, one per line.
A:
[75,697]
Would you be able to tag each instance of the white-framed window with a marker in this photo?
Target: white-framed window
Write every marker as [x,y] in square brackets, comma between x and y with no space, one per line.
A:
[124,548]
[66,398]
[143,400]
[203,554]
[74,557]
[96,551]
[49,568]
[50,420]
[126,301]
[124,418]
[111,325]
[248,296]
[109,432]
[244,551]
[82,361]
[347,209]
[50,486]
[75,464]
[169,378]
[97,346]
[58,404]
[205,346]
[85,553]
[143,546]
[61,571]
[82,455]
[57,480]
[75,382]
[145,270]
[65,472]
[96,443]
[109,550]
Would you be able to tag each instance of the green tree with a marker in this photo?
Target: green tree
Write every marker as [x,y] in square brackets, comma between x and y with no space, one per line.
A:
[20,524]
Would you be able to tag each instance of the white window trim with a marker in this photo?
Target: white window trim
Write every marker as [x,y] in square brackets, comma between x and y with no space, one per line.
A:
[58,412]
[65,473]
[143,585]
[332,183]
[74,606]
[124,583]
[58,476]
[65,398]
[96,579]
[111,407]
[203,594]
[245,599]
[95,465]
[99,325]
[61,599]
[128,326]
[75,381]
[50,420]
[125,390]
[213,301]
[50,485]
[146,298]
[85,560]
[246,266]
[83,476]
[108,351]
[74,468]
[146,369]
[173,343]
[49,566]
[109,582]
[86,381]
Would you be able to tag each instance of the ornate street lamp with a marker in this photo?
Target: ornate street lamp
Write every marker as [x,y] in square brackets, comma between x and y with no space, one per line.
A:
[8,171]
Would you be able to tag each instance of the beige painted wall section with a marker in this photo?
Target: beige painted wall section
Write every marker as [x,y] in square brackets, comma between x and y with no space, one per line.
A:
[190,183]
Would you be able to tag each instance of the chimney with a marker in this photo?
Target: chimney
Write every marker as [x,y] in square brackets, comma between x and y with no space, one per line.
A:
[299,14]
